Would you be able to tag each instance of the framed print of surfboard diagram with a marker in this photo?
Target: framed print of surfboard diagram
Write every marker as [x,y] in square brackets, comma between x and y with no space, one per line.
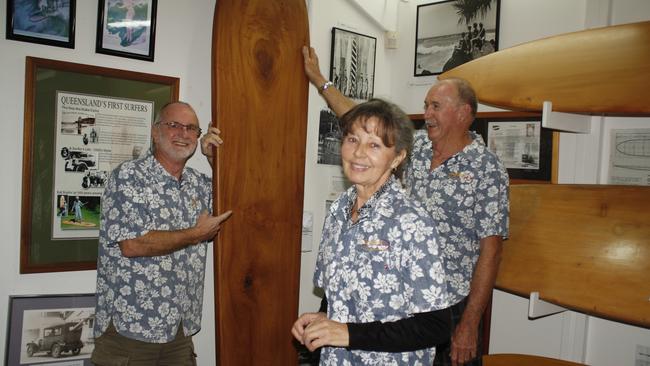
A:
[352,67]
[453,32]
[80,122]
[49,22]
[127,28]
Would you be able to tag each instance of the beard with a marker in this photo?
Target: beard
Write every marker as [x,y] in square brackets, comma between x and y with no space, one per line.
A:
[176,148]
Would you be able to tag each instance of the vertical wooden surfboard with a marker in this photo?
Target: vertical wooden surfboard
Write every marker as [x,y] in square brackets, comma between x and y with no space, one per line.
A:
[596,71]
[259,102]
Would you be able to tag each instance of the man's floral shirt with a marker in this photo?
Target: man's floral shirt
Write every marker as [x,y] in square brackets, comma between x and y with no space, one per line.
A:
[147,297]
[468,198]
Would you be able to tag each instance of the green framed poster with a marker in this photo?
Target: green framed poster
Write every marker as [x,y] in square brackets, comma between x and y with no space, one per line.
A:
[80,122]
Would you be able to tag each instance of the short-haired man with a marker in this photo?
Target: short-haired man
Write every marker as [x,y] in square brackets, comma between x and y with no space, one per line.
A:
[155,225]
[465,188]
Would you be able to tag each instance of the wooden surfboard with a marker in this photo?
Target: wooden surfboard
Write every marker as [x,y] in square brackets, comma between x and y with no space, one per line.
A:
[597,71]
[583,247]
[259,100]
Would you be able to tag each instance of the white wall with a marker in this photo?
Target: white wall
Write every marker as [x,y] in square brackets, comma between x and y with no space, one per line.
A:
[183,40]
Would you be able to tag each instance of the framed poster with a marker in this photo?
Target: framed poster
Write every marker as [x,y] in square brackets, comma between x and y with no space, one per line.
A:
[352,67]
[52,329]
[80,122]
[629,156]
[528,151]
[453,32]
[127,28]
[45,22]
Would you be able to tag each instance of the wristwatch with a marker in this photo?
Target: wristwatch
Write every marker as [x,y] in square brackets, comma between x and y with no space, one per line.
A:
[323,87]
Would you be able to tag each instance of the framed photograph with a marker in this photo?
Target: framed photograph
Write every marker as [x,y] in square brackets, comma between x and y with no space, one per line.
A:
[80,122]
[49,22]
[453,32]
[528,150]
[352,67]
[51,329]
[329,138]
[127,28]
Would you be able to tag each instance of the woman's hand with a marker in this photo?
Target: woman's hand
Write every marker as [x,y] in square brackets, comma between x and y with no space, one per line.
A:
[314,330]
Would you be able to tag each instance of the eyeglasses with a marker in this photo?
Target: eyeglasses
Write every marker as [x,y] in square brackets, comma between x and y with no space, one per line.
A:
[179,126]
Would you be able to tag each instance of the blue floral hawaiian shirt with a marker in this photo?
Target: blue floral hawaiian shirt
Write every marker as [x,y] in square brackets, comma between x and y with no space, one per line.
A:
[467,196]
[384,267]
[147,297]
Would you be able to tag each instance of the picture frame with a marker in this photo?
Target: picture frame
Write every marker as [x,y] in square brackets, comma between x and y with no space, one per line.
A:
[352,63]
[127,28]
[329,138]
[51,23]
[55,92]
[538,166]
[56,329]
[451,33]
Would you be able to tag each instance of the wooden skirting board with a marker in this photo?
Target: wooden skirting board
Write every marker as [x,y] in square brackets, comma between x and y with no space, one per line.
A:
[603,71]
[260,104]
[583,247]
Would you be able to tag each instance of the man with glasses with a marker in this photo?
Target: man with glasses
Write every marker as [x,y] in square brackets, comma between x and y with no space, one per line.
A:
[156,223]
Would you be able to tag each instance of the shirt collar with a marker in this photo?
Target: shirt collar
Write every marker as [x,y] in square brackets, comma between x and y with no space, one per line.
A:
[379,198]
[160,173]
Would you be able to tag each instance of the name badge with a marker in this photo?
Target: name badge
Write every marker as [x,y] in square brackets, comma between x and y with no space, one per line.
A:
[376,245]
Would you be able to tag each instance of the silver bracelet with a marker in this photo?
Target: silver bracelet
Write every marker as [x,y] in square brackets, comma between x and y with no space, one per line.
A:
[323,87]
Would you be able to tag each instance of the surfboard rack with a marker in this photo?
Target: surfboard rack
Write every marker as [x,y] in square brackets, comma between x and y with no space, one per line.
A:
[568,122]
[538,308]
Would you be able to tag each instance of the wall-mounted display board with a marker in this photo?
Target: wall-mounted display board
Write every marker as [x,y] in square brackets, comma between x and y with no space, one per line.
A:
[80,121]
[529,151]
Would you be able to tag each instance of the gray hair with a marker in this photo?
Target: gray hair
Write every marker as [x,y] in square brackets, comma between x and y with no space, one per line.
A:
[162,110]
[466,93]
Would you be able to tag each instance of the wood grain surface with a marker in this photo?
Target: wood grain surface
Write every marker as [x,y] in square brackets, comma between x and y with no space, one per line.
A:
[260,104]
[584,247]
[599,71]
[511,359]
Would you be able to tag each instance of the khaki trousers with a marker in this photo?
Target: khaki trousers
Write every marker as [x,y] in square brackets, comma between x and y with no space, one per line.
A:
[113,349]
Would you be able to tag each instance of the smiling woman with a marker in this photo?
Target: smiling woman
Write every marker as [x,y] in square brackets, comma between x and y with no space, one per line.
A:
[377,137]
[380,306]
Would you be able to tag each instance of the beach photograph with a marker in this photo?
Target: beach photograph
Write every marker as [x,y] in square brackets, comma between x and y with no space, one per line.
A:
[451,33]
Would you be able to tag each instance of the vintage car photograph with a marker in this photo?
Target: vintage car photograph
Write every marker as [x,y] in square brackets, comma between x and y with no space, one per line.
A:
[51,329]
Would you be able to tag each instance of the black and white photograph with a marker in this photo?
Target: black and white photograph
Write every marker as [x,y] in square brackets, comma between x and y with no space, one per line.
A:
[77,127]
[51,330]
[76,160]
[451,33]
[94,179]
[49,22]
[329,138]
[352,67]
